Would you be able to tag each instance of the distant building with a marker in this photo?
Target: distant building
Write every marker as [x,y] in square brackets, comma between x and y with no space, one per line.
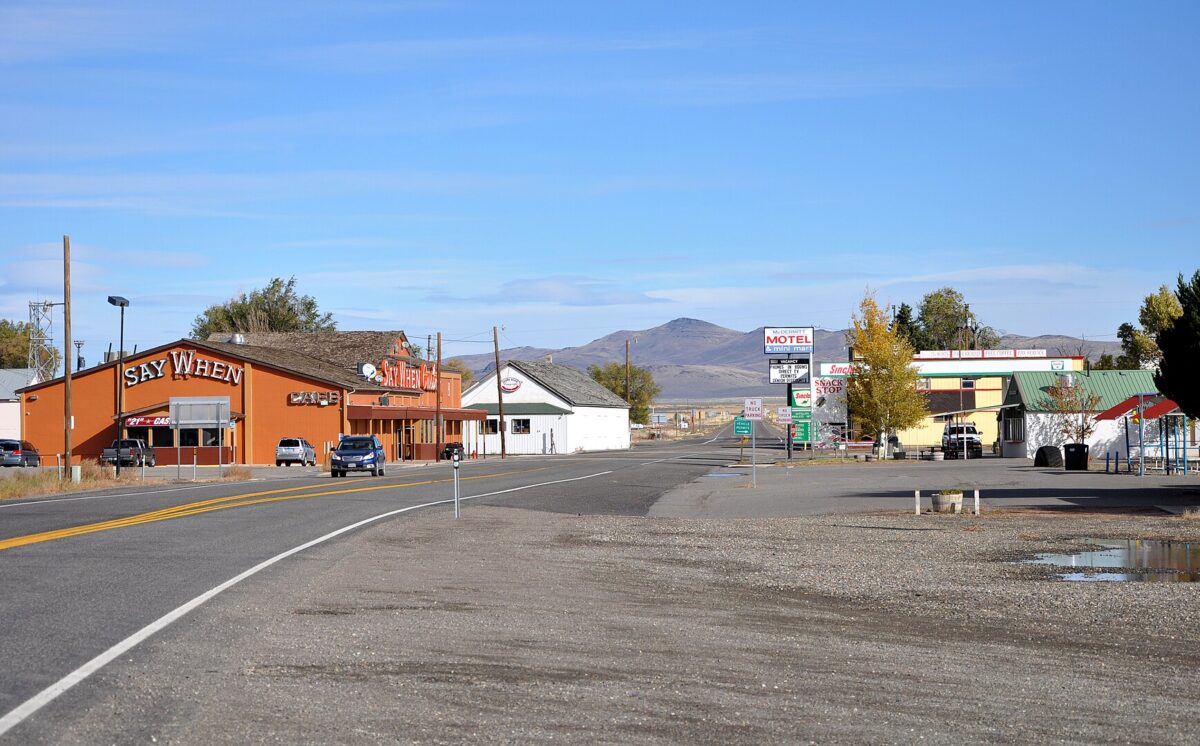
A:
[548,408]
[1027,423]
[12,379]
[966,386]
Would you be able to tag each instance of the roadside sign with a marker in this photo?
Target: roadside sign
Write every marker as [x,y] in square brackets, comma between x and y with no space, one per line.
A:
[802,398]
[788,340]
[741,426]
[803,432]
[799,414]
[791,371]
[753,409]
[783,415]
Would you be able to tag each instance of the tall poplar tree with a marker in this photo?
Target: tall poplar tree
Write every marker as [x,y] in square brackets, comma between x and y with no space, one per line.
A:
[881,390]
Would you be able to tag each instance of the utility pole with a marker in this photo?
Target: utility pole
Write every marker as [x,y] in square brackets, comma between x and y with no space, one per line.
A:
[499,392]
[628,400]
[67,416]
[438,400]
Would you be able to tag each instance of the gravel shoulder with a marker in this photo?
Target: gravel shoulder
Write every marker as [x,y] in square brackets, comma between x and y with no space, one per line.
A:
[519,626]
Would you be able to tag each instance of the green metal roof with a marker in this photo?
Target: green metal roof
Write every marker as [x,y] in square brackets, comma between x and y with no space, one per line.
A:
[531,408]
[1028,388]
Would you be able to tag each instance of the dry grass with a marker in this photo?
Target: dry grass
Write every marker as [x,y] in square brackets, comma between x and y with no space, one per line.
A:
[237,474]
[93,476]
[1191,514]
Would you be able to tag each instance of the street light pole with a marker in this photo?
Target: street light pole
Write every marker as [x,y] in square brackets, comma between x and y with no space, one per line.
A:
[121,303]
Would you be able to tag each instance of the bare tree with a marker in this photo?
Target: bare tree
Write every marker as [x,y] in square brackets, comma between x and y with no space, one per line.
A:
[1071,405]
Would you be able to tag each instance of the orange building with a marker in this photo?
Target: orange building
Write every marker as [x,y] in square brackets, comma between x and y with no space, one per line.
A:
[280,385]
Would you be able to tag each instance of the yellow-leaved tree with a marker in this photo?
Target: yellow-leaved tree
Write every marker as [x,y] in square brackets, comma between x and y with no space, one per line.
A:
[881,390]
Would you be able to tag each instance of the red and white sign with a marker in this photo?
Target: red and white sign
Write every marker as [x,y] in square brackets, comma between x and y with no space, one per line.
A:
[836,369]
[788,340]
[508,384]
[829,386]
[753,409]
[156,421]
[397,374]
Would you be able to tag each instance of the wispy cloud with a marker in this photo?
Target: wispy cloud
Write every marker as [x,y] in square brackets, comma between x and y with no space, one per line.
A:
[561,290]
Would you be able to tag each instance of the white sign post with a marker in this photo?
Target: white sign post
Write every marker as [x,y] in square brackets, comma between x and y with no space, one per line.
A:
[753,411]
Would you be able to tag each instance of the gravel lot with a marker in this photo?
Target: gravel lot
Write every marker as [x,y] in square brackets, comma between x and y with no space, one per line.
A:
[518,626]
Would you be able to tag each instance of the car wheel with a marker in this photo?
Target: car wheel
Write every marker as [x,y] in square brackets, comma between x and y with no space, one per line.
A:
[153,461]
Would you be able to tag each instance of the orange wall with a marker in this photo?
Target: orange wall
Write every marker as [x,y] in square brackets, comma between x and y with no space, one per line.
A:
[262,395]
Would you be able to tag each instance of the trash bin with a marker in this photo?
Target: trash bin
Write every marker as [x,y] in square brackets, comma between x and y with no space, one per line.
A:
[1075,456]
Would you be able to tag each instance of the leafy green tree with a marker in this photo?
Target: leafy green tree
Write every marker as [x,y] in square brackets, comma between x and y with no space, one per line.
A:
[642,388]
[1139,348]
[14,343]
[1106,362]
[275,308]
[459,367]
[881,390]
[14,346]
[908,328]
[949,323]
[1180,346]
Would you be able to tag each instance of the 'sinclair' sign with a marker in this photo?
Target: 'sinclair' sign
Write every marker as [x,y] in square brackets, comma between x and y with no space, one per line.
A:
[788,340]
[184,363]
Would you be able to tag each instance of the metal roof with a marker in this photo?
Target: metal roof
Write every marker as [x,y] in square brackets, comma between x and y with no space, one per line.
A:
[572,385]
[12,379]
[531,408]
[1113,387]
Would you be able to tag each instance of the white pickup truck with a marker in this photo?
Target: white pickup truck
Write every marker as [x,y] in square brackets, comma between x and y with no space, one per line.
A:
[962,439]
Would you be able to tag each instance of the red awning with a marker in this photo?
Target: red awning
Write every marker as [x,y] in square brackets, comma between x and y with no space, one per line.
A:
[1158,410]
[371,412]
[1121,409]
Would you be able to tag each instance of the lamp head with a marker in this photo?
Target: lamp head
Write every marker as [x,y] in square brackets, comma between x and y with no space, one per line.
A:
[117,300]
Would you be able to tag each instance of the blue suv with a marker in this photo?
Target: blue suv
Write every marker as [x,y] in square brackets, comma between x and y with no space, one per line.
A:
[357,453]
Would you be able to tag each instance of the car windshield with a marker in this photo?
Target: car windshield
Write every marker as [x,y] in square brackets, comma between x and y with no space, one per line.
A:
[355,444]
[289,443]
[959,430]
[10,446]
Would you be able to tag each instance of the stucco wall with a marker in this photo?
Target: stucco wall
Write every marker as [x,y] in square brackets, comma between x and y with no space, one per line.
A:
[10,420]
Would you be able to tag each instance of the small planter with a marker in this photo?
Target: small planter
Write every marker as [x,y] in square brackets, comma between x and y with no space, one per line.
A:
[947,501]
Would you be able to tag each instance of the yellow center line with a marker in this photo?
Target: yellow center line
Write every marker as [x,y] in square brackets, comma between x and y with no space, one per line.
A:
[221,503]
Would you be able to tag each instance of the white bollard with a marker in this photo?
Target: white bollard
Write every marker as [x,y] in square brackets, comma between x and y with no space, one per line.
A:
[976,502]
[917,502]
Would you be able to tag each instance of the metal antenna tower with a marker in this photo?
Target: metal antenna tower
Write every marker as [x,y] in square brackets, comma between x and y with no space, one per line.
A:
[42,356]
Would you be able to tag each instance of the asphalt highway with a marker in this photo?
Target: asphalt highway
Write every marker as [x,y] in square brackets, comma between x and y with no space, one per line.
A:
[83,573]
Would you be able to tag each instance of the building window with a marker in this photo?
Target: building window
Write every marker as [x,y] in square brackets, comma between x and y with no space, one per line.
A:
[162,437]
[968,383]
[520,427]
[1014,430]
[211,436]
[923,384]
[491,426]
[189,438]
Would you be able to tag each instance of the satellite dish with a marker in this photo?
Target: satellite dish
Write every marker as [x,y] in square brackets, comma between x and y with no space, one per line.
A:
[366,370]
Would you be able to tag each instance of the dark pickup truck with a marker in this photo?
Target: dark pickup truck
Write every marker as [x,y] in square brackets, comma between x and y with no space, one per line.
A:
[129,452]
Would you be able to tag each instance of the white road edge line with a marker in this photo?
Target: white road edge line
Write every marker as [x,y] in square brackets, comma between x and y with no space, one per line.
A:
[27,708]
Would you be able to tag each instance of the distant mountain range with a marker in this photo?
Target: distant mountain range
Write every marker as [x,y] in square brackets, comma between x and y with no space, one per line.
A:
[693,359]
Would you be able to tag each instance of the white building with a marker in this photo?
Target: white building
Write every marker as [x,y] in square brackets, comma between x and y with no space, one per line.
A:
[1027,421]
[12,379]
[548,408]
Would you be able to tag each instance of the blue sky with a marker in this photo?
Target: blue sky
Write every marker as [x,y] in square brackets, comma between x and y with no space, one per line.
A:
[564,170]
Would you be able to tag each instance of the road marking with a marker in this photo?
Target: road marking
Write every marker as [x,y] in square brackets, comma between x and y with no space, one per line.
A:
[27,708]
[218,503]
[10,504]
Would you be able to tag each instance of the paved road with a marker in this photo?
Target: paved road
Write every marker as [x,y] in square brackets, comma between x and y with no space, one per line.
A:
[82,573]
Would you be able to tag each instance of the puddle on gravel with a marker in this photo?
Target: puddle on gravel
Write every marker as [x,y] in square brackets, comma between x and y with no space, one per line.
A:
[1133,560]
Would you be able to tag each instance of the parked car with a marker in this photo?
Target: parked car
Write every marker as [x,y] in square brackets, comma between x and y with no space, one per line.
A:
[357,453]
[129,451]
[295,451]
[19,453]
[957,438]
[453,448]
